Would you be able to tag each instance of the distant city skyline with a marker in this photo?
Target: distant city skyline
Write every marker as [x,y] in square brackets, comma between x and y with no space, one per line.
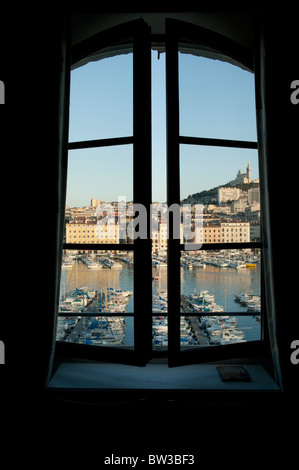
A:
[216,100]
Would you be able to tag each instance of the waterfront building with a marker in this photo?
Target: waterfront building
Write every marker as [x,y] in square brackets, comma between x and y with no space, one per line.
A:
[226,232]
[235,232]
[212,233]
[92,232]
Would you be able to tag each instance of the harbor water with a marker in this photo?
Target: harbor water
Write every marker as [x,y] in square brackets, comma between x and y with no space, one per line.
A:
[224,283]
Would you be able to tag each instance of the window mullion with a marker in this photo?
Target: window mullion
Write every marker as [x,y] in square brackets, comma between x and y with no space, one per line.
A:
[244,144]
[173,191]
[142,189]
[86,144]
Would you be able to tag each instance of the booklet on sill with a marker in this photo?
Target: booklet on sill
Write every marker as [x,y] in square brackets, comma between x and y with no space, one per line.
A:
[233,374]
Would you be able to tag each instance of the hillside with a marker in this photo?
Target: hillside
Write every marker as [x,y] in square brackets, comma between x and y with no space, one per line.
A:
[209,195]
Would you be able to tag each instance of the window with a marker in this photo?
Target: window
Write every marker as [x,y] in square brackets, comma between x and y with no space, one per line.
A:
[211,130]
[146,293]
[108,148]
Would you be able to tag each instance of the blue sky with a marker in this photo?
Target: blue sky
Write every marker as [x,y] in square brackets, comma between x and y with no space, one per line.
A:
[216,100]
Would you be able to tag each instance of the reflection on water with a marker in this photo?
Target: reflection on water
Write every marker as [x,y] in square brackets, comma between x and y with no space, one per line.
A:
[219,286]
[101,280]
[94,287]
[224,283]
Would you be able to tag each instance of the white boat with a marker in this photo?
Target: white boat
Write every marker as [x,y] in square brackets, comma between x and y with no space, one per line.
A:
[160,329]
[237,265]
[115,265]
[222,264]
[124,292]
[229,337]
[198,264]
[94,265]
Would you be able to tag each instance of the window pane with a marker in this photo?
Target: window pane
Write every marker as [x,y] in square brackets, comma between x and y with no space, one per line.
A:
[159,289]
[205,331]
[159,302]
[226,182]
[101,98]
[158,127]
[219,281]
[160,333]
[96,282]
[217,99]
[99,195]
[96,330]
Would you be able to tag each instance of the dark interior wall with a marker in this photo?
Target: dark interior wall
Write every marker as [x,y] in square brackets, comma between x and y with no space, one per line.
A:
[236,25]
[281,69]
[31,67]
[29,145]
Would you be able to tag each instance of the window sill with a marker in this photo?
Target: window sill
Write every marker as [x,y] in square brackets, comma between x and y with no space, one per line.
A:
[155,376]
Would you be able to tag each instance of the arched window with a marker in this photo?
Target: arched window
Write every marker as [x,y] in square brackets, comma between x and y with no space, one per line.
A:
[160,122]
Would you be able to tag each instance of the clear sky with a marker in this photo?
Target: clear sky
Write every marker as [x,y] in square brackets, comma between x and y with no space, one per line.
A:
[216,100]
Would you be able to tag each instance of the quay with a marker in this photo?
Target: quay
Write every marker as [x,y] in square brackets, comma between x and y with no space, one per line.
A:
[76,331]
[194,322]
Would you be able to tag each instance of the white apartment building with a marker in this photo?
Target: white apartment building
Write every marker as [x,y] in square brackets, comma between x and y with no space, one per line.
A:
[235,232]
[226,232]
[228,194]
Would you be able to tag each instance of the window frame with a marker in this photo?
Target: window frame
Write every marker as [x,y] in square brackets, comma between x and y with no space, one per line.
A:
[137,34]
[177,31]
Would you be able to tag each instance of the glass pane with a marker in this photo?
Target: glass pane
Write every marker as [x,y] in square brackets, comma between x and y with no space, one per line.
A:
[99,195]
[101,98]
[217,99]
[96,330]
[159,238]
[225,181]
[159,289]
[158,127]
[215,287]
[97,282]
[160,333]
[209,330]
[159,302]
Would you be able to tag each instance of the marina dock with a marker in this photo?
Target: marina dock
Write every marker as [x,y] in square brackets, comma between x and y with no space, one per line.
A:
[194,322]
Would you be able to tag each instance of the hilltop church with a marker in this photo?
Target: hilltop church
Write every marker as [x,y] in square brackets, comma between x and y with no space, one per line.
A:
[244,178]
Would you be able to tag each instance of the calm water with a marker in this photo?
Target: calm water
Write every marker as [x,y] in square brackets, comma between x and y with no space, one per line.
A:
[224,283]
